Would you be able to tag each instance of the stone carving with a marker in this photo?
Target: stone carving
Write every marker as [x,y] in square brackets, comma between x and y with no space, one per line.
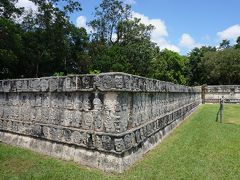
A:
[127,81]
[128,141]
[107,143]
[38,100]
[14,126]
[111,113]
[96,81]
[98,142]
[107,81]
[69,101]
[67,135]
[86,103]
[44,115]
[32,114]
[53,84]
[138,136]
[6,85]
[76,137]
[98,119]
[109,121]
[24,85]
[36,85]
[119,144]
[97,103]
[44,84]
[46,132]
[45,101]
[67,118]
[119,82]
[78,102]
[77,120]
[1,111]
[67,84]
[86,82]
[37,130]
[19,86]
[79,138]
[88,120]
[54,116]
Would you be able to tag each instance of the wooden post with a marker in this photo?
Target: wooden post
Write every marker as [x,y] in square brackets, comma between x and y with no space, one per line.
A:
[221,109]
[203,93]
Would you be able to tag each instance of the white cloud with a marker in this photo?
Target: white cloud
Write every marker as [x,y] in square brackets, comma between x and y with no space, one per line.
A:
[160,27]
[188,42]
[131,2]
[28,5]
[230,33]
[160,32]
[82,22]
[164,44]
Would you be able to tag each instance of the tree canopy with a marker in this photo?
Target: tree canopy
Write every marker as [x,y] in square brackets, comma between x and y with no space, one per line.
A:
[45,42]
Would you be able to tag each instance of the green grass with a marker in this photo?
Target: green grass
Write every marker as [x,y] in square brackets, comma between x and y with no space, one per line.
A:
[200,148]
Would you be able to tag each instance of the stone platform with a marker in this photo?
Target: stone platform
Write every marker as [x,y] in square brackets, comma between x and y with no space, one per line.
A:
[107,121]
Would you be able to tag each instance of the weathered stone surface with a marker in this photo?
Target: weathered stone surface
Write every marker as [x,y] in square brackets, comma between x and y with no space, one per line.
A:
[213,94]
[106,121]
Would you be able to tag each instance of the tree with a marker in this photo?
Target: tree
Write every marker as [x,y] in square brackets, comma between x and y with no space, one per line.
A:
[237,46]
[222,67]
[195,71]
[8,10]
[168,66]
[10,48]
[108,15]
[131,51]
[43,43]
[224,44]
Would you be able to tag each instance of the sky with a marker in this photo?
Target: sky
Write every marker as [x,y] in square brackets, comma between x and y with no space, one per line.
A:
[180,25]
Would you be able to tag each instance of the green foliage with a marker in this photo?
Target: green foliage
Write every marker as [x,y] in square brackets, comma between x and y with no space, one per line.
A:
[222,67]
[224,44]
[237,46]
[95,71]
[59,74]
[131,51]
[11,48]
[8,10]
[195,71]
[45,42]
[108,15]
[168,66]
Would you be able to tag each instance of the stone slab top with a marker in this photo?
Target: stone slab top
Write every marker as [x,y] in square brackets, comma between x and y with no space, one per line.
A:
[113,81]
[222,88]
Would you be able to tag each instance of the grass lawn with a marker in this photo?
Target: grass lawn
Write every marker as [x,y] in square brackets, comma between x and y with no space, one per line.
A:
[200,148]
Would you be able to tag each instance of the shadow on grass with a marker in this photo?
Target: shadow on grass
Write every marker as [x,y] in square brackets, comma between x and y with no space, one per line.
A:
[217,115]
[224,122]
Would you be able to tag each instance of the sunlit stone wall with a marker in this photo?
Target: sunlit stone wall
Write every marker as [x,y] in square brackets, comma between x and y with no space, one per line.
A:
[231,93]
[106,121]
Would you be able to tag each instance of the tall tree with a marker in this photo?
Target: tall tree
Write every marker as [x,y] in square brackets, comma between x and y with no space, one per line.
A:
[195,71]
[237,43]
[224,44]
[168,66]
[108,15]
[120,43]
[222,67]
[8,10]
[10,48]
[51,27]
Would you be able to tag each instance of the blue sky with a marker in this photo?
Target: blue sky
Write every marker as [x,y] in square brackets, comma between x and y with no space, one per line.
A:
[180,24]
[188,23]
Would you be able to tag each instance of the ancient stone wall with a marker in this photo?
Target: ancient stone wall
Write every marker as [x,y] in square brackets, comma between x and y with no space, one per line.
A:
[231,93]
[105,121]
